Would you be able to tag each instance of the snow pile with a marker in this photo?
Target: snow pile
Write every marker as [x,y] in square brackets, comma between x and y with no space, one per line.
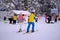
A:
[21,11]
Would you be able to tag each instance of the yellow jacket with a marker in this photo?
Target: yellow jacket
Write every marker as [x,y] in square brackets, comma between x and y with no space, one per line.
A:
[31,18]
[59,16]
[14,17]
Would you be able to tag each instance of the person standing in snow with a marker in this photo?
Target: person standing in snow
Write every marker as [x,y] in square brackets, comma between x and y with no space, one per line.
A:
[46,17]
[4,19]
[21,20]
[36,19]
[49,18]
[11,19]
[31,22]
[14,19]
[55,18]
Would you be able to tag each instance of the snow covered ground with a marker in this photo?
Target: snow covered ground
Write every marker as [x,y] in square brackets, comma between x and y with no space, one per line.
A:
[45,31]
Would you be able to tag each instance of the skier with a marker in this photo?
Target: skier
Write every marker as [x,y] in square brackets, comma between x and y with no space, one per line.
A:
[4,19]
[46,18]
[36,19]
[49,18]
[14,19]
[31,22]
[21,20]
[55,18]
[11,19]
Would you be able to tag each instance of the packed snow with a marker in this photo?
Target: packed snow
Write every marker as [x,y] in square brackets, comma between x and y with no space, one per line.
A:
[43,31]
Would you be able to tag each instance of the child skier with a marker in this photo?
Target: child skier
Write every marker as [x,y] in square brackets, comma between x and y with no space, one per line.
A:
[14,19]
[21,20]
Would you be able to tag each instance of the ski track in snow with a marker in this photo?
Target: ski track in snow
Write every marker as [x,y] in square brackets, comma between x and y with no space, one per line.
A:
[45,31]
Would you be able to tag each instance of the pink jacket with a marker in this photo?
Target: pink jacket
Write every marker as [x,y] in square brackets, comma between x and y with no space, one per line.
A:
[46,18]
[20,17]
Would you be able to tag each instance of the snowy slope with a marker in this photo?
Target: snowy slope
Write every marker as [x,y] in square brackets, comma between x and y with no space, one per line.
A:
[45,31]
